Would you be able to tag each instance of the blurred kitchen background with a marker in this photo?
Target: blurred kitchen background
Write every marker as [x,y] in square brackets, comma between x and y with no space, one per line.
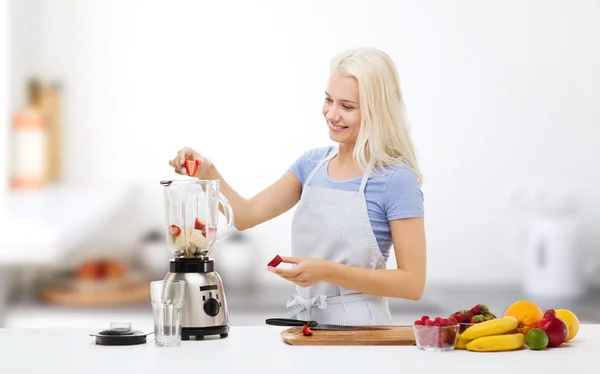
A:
[97,95]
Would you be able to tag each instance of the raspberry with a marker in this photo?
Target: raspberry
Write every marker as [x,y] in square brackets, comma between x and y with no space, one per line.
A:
[429,323]
[424,318]
[419,322]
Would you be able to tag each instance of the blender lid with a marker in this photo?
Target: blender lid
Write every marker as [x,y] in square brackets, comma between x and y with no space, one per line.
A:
[120,333]
[168,182]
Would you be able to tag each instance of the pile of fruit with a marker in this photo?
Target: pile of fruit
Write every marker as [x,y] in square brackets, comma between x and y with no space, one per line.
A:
[524,325]
[102,269]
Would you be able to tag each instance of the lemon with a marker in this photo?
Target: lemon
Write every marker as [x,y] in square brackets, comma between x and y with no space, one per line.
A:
[536,339]
[571,320]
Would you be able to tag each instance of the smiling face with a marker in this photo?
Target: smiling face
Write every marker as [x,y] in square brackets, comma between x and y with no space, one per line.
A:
[341,109]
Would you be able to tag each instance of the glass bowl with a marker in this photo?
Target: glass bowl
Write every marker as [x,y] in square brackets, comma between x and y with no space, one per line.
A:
[436,338]
[465,325]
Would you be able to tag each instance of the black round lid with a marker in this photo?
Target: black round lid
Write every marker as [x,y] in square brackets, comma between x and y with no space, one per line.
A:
[120,333]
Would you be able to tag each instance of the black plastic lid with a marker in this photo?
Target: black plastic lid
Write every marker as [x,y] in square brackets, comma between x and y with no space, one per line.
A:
[120,333]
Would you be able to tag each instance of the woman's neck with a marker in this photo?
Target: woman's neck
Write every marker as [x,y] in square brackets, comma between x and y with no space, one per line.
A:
[344,155]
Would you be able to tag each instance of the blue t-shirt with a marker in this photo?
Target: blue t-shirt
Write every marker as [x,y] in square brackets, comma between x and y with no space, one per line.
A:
[393,195]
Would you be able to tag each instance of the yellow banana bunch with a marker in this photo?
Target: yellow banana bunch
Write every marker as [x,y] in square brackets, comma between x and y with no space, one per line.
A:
[491,336]
[494,343]
[460,344]
[488,328]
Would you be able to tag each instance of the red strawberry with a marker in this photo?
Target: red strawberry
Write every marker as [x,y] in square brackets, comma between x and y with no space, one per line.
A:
[191,166]
[462,316]
[200,225]
[480,309]
[306,331]
[481,318]
[275,261]
[175,230]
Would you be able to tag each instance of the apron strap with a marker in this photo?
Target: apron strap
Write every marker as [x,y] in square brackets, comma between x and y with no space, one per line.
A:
[314,171]
[363,182]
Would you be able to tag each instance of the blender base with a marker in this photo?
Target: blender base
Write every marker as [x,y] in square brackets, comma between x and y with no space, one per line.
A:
[199,333]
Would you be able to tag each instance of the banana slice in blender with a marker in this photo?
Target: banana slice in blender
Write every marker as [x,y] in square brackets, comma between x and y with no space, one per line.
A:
[180,242]
[198,239]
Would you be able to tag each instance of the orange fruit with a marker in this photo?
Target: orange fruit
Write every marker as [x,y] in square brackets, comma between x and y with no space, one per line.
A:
[527,313]
[571,320]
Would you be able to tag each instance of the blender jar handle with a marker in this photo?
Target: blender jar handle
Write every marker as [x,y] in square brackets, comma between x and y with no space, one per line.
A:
[228,212]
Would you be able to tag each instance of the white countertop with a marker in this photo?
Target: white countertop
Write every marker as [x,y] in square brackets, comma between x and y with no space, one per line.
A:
[258,349]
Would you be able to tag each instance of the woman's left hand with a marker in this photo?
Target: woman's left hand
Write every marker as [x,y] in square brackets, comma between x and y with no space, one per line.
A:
[308,271]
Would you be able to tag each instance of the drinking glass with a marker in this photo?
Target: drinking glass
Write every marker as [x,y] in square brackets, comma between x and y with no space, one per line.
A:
[167,299]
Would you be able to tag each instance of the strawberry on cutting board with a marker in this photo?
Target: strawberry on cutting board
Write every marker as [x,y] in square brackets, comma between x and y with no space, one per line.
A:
[191,166]
[306,331]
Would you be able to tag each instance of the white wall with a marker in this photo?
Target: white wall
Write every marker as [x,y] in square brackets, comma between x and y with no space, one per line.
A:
[501,96]
[4,104]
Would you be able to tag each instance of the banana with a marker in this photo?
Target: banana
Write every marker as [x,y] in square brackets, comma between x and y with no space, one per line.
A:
[495,343]
[460,344]
[491,327]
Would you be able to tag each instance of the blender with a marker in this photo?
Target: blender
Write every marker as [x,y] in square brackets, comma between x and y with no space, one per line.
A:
[192,218]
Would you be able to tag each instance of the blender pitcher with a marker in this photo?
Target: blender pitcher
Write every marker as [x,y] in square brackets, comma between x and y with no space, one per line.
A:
[192,216]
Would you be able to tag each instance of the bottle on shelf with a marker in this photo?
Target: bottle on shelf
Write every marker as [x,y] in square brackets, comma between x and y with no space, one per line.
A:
[29,143]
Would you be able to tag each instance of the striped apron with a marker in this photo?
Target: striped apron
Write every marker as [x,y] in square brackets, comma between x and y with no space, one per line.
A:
[334,225]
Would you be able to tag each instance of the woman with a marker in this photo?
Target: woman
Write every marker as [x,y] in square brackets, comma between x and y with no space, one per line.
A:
[356,200]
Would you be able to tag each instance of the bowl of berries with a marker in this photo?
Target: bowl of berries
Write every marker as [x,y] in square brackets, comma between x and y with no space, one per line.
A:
[438,334]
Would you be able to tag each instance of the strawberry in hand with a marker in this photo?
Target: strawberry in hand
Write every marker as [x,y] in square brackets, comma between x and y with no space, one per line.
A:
[191,163]
[191,166]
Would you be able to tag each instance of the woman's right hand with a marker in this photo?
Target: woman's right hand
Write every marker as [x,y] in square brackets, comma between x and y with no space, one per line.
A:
[187,153]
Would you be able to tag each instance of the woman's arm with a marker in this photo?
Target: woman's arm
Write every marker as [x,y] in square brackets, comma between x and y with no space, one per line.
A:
[271,202]
[407,281]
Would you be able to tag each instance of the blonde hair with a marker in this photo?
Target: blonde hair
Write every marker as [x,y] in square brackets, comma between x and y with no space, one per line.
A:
[384,137]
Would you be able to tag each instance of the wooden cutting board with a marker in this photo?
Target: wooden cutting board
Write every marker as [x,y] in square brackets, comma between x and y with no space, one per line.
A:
[396,335]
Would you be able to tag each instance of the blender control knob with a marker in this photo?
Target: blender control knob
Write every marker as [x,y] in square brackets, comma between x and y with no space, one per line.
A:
[211,307]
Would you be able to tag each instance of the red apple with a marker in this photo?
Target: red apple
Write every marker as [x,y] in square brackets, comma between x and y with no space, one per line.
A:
[556,329]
